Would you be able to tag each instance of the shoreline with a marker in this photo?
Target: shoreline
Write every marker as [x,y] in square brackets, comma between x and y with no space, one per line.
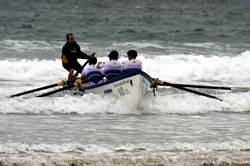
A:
[208,159]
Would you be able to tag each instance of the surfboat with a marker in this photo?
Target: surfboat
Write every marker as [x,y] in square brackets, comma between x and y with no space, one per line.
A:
[130,87]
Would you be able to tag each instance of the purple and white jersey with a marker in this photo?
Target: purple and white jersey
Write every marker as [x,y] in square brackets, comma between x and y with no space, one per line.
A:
[112,68]
[132,64]
[91,70]
[112,65]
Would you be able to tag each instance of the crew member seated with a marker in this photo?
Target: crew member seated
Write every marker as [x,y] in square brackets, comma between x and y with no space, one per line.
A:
[91,73]
[113,67]
[132,64]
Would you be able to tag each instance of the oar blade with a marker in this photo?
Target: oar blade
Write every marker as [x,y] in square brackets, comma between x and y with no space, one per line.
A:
[242,89]
[233,89]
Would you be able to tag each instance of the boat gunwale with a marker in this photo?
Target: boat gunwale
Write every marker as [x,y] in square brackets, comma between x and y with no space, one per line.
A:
[120,77]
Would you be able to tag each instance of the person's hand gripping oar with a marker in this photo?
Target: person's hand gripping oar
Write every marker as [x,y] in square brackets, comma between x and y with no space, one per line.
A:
[61,83]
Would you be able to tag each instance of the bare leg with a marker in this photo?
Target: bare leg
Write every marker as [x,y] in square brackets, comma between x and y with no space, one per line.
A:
[70,75]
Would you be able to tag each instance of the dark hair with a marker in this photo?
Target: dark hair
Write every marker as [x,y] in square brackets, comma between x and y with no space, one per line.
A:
[113,55]
[69,34]
[132,54]
[92,60]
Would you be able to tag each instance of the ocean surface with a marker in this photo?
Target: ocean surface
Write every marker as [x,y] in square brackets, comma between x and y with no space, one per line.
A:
[180,41]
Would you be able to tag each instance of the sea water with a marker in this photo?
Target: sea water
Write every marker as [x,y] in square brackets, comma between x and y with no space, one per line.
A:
[192,42]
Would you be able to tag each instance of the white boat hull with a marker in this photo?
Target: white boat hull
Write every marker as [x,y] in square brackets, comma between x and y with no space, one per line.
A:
[130,89]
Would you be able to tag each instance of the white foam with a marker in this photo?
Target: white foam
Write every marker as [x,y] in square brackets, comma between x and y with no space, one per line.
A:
[93,103]
[172,147]
[175,68]
[31,70]
[188,68]
[16,148]
[89,103]
[205,45]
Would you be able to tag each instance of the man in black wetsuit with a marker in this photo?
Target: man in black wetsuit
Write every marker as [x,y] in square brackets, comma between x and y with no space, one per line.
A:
[70,53]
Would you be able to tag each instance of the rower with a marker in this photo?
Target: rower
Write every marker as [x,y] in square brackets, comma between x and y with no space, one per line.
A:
[132,64]
[113,67]
[91,72]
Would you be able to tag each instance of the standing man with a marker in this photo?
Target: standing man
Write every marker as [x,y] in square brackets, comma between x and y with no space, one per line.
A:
[70,53]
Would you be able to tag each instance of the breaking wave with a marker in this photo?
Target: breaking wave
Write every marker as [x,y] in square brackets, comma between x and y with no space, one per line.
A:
[172,62]
[17,75]
[16,148]
[170,154]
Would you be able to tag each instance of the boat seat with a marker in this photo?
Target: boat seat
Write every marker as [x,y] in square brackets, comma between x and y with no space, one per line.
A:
[112,73]
[95,76]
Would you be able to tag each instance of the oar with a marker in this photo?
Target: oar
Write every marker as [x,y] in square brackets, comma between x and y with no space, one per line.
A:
[191,91]
[48,86]
[215,87]
[57,90]
[35,90]
[210,87]
[204,86]
[178,86]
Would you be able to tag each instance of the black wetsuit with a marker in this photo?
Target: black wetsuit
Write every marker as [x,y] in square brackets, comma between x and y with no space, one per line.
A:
[70,54]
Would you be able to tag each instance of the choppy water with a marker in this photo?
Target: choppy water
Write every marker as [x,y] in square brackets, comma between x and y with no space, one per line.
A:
[200,42]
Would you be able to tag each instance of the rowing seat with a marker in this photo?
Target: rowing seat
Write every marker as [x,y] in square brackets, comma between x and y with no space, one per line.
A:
[94,76]
[112,73]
